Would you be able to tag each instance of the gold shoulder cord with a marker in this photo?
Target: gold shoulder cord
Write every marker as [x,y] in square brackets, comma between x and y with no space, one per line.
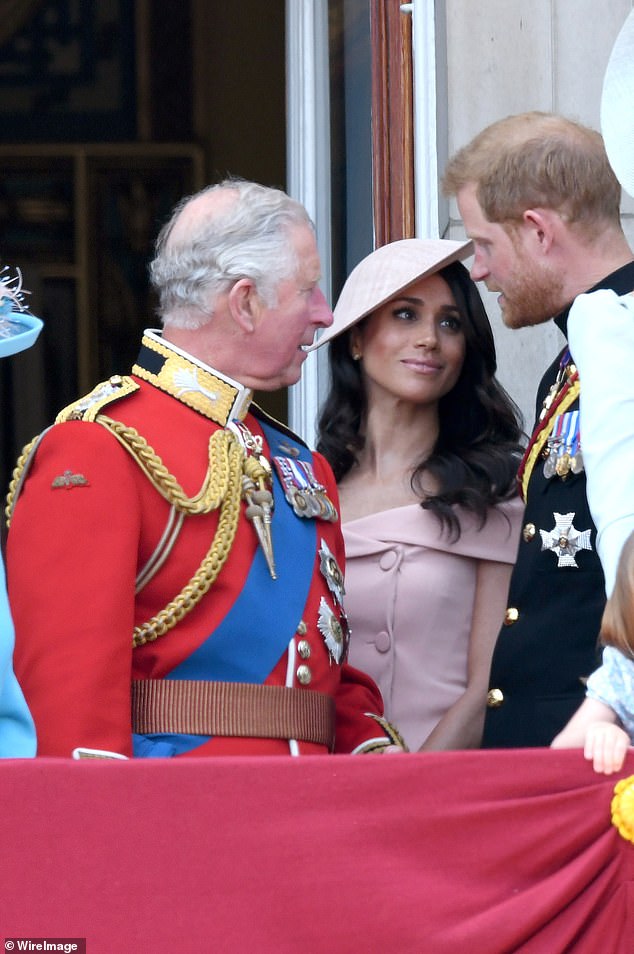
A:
[222,488]
[16,478]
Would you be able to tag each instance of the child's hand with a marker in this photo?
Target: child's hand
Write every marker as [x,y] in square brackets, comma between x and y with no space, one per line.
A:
[606,746]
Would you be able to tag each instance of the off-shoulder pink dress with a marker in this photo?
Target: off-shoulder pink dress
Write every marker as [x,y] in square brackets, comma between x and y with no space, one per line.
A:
[409,600]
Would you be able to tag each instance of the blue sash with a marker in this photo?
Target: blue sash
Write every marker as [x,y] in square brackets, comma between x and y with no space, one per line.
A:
[249,642]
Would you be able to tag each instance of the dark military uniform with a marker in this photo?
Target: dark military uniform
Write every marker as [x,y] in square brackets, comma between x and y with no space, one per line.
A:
[547,646]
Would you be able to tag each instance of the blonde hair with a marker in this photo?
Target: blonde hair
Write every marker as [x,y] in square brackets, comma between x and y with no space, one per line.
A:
[538,160]
[617,625]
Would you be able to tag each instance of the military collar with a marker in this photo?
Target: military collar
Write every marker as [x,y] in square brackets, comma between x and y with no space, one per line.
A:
[211,393]
[621,281]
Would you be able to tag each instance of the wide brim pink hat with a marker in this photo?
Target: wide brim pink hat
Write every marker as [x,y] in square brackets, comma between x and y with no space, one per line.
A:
[386,272]
[617,106]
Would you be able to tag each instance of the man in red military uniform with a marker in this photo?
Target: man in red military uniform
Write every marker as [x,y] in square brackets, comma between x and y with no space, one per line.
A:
[174,556]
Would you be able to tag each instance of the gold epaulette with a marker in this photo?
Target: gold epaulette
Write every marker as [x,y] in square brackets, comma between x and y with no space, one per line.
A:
[88,407]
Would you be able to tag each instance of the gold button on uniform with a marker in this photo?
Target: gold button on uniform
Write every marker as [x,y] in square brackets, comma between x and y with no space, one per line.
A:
[304,675]
[495,698]
[529,532]
[511,616]
[303,648]
[302,629]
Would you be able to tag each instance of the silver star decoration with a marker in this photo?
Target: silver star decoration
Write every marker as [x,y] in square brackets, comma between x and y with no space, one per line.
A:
[331,572]
[565,540]
[332,631]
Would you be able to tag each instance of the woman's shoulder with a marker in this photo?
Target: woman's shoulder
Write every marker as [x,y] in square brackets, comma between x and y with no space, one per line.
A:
[498,537]
[412,525]
[381,530]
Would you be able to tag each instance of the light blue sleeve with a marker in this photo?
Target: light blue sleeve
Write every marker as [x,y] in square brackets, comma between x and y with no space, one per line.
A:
[17,732]
[613,684]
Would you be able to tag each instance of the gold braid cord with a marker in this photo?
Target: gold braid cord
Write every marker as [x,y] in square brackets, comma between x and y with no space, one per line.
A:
[222,488]
[224,454]
[16,479]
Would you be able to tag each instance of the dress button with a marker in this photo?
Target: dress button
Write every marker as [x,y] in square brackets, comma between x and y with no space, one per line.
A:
[388,560]
[304,675]
[382,641]
[302,628]
[511,616]
[529,532]
[495,698]
[303,648]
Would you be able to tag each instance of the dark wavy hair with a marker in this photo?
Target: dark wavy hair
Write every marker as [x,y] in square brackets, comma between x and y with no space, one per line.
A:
[475,459]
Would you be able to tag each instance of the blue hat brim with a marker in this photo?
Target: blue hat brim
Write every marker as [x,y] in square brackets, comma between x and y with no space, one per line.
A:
[27,329]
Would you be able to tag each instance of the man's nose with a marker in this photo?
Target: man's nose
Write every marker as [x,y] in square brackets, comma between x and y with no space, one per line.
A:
[478,270]
[320,310]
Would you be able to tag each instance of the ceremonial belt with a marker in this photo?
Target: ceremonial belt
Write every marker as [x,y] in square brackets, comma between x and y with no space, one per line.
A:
[237,709]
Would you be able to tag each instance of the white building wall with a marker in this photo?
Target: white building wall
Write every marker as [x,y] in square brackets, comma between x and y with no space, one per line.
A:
[509,56]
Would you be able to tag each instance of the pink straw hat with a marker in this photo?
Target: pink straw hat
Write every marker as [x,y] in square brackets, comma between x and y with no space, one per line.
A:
[386,272]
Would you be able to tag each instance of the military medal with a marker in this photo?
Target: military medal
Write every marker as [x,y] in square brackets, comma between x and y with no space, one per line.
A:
[305,494]
[331,572]
[563,447]
[549,466]
[544,444]
[564,540]
[576,461]
[562,465]
[552,449]
[335,631]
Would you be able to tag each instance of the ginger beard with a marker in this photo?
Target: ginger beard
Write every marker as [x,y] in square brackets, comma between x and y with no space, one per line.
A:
[532,294]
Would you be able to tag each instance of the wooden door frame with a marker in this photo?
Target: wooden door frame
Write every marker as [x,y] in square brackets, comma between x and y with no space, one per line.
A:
[392,122]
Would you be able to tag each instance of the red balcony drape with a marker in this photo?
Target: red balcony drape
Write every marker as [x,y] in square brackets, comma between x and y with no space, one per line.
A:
[438,853]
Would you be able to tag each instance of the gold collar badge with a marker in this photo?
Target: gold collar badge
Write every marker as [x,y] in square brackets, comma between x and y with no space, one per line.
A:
[205,390]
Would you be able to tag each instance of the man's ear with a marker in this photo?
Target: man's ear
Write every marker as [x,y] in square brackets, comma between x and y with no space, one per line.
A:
[542,224]
[244,304]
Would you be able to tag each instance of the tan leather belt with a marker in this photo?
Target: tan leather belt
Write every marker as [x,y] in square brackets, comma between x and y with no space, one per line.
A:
[194,707]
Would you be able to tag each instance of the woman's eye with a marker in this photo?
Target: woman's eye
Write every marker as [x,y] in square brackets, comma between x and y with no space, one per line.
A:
[405,314]
[451,323]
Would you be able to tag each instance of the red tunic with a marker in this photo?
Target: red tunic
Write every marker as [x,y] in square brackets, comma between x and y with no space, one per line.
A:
[75,548]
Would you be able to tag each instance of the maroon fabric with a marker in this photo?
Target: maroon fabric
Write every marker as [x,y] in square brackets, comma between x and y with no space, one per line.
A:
[438,853]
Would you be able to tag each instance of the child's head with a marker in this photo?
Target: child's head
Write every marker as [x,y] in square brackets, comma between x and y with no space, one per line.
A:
[617,625]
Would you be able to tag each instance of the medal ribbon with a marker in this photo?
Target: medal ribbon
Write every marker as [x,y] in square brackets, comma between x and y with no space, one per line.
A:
[571,427]
[567,396]
[300,475]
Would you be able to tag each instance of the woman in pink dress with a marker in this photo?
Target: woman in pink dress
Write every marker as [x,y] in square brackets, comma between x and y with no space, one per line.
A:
[424,443]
